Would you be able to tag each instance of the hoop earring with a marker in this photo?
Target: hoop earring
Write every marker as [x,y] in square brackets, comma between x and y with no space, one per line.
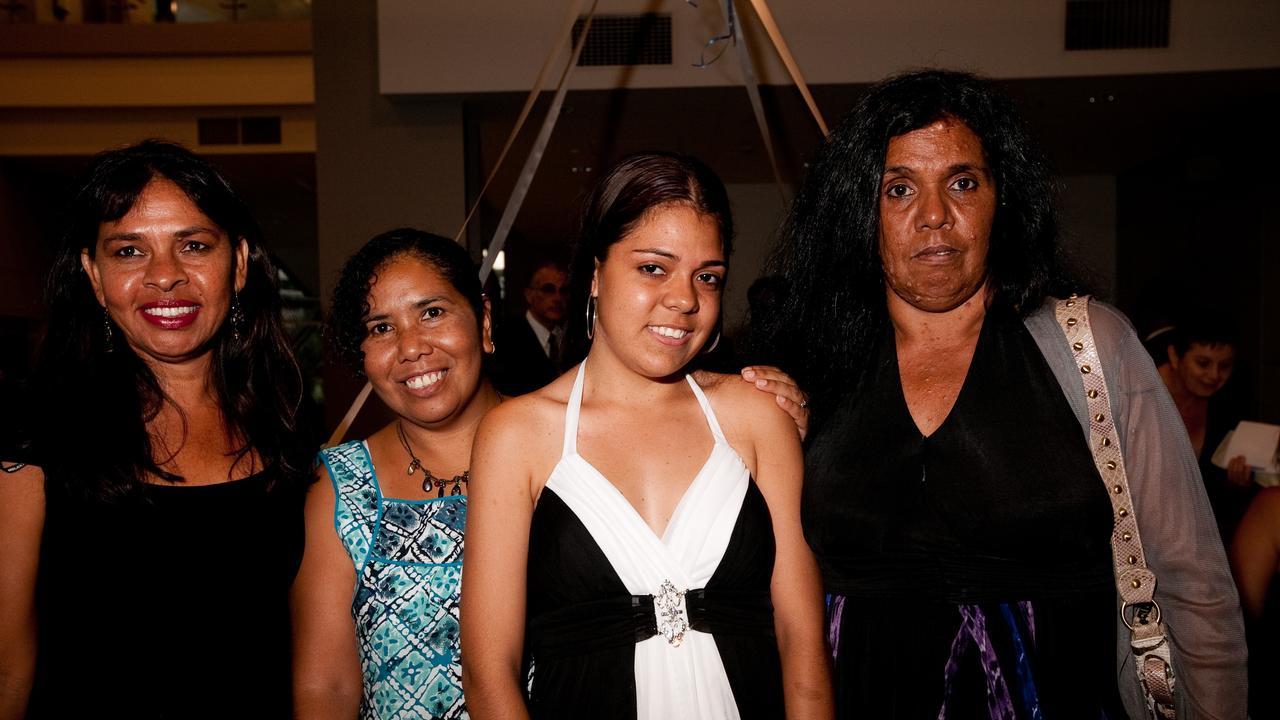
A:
[107,345]
[237,317]
[591,317]
[711,348]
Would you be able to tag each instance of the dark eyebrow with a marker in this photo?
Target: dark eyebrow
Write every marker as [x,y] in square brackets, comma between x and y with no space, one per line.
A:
[424,302]
[180,234]
[194,230]
[952,170]
[121,237]
[673,256]
[417,305]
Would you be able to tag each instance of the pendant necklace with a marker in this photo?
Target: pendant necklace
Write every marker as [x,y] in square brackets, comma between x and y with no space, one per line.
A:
[429,481]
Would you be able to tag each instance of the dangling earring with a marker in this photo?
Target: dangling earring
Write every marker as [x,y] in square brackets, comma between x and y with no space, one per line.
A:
[237,317]
[107,345]
[591,317]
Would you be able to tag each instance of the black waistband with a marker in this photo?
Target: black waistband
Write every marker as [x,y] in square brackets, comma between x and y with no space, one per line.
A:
[628,619]
[963,580]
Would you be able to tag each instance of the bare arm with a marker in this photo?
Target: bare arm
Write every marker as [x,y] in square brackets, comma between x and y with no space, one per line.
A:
[21,524]
[327,682]
[796,588]
[500,509]
[1255,551]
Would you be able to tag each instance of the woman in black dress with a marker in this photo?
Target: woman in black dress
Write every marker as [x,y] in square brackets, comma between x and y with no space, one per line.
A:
[951,493]
[150,543]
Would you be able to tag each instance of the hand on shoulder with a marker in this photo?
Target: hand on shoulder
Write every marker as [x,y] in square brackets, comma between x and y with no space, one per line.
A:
[743,402]
[752,420]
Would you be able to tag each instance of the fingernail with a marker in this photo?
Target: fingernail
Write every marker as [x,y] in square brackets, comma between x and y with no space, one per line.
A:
[748,373]
[761,383]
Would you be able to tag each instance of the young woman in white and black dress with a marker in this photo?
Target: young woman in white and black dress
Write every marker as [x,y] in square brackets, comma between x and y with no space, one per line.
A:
[634,542]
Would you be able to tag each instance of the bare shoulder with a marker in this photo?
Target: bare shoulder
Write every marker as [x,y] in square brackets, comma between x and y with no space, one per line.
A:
[531,417]
[1267,505]
[21,477]
[322,489]
[739,405]
[753,423]
[21,496]
[524,433]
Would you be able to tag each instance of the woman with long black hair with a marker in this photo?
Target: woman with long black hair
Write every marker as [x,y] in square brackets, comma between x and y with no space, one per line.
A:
[965,494]
[151,541]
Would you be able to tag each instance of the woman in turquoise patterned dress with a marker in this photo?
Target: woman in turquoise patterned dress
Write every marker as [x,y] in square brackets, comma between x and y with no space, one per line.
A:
[409,313]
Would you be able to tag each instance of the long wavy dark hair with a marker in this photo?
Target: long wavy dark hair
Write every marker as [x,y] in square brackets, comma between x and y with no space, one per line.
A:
[345,328]
[96,397]
[828,253]
[622,198]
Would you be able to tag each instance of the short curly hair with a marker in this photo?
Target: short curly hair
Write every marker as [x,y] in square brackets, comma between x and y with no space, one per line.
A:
[345,329]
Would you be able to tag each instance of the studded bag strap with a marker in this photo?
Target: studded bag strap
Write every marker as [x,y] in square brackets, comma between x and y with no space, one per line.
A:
[1135,582]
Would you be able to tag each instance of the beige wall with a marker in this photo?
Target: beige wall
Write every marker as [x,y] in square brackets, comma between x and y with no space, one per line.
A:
[498,45]
[29,82]
[86,131]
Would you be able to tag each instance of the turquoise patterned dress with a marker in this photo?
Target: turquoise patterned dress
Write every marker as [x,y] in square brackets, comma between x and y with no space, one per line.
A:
[408,560]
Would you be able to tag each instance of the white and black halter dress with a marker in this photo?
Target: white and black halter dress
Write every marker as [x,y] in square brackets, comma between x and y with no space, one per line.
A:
[597,645]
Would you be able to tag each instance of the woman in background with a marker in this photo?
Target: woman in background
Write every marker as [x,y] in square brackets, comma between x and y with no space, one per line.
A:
[1201,357]
[635,531]
[150,544]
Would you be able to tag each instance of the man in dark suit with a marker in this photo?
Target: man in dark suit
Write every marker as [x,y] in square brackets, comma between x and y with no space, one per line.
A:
[528,345]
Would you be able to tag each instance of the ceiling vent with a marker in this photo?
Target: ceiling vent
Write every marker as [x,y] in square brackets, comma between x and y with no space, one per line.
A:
[626,40]
[1117,24]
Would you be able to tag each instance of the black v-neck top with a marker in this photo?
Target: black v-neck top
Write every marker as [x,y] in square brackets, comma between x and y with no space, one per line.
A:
[970,570]
[1001,501]
[174,604]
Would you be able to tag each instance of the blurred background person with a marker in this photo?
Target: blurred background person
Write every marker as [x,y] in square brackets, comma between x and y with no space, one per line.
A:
[529,346]
[1200,357]
[151,542]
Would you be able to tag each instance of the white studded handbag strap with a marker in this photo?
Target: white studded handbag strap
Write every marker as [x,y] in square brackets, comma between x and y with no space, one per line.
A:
[1135,582]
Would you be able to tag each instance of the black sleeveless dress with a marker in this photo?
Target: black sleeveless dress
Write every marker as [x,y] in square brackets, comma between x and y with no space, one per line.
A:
[171,605]
[969,572]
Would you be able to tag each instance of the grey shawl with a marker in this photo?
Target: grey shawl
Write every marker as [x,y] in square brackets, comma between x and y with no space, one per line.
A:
[1194,587]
